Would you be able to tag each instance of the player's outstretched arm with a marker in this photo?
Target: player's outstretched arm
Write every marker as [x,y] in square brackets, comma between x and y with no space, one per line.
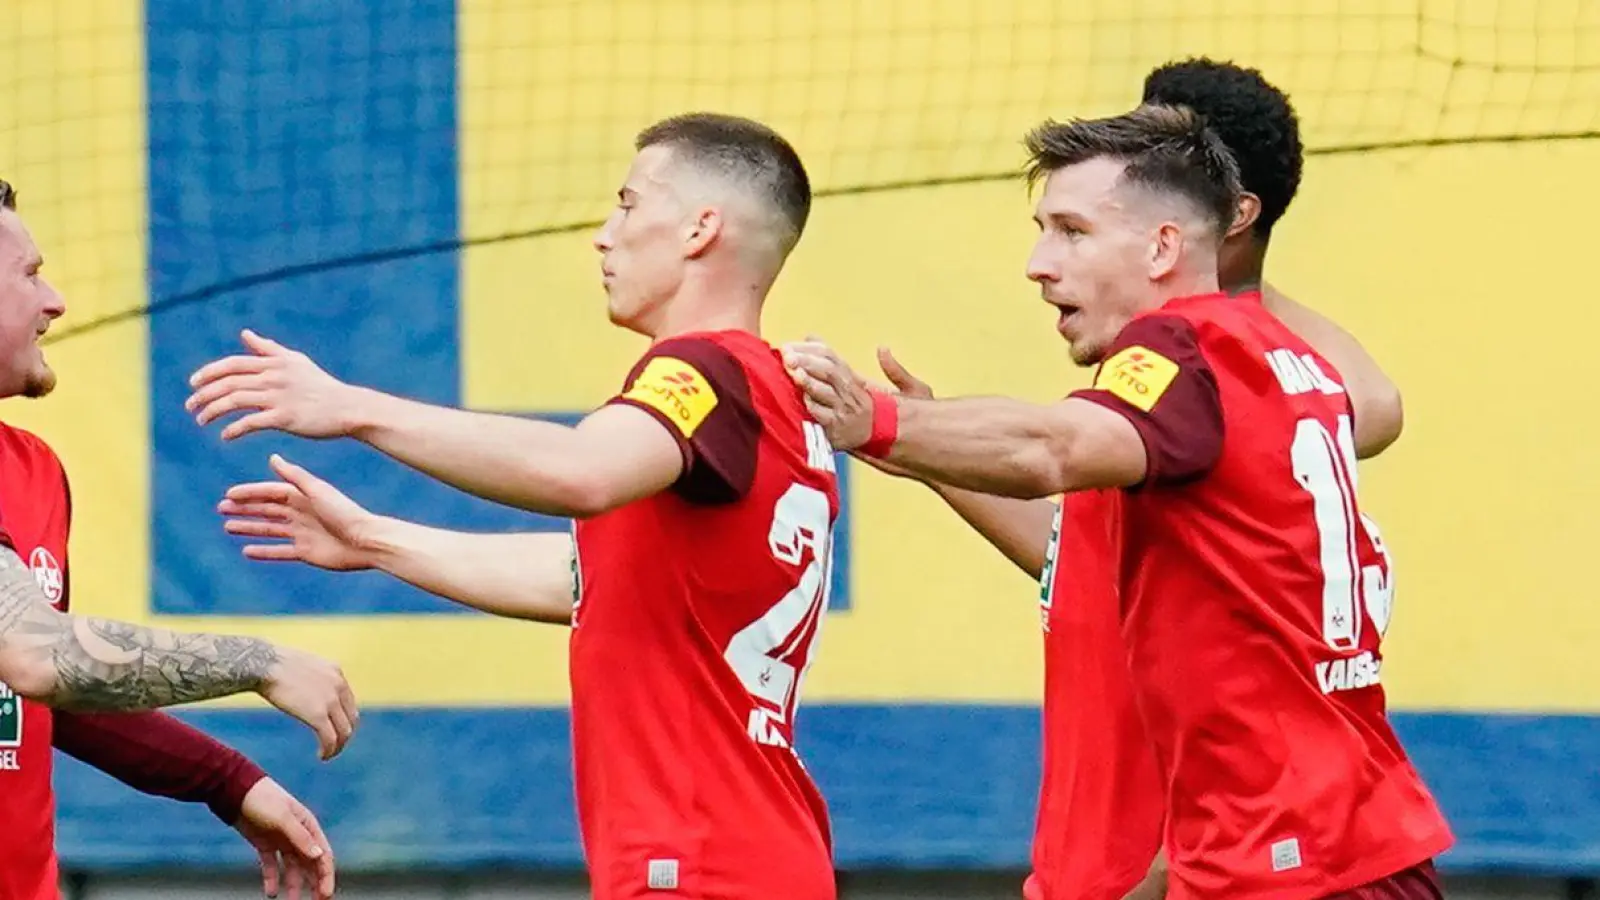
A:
[81,663]
[993,445]
[1019,529]
[1375,398]
[519,576]
[615,456]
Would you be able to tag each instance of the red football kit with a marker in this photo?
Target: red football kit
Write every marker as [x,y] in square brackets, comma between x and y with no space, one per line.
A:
[696,620]
[1100,800]
[149,751]
[1254,597]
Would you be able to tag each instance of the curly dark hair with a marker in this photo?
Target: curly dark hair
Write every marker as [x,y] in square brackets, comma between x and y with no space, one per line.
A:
[1251,116]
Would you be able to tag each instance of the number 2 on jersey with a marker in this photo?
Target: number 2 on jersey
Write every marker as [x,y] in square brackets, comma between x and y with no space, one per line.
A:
[771,654]
[1325,466]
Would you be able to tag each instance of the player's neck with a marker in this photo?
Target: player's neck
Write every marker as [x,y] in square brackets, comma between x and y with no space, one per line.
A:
[1189,284]
[1242,265]
[702,310]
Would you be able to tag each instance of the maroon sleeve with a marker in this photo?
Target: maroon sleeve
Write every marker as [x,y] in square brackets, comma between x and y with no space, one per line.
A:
[156,754]
[1155,376]
[701,395]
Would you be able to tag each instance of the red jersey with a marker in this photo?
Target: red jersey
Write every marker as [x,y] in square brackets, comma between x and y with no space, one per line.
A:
[34,516]
[1101,801]
[1255,595]
[697,618]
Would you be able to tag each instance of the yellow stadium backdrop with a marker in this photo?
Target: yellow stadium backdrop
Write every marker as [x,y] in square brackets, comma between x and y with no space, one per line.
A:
[388,154]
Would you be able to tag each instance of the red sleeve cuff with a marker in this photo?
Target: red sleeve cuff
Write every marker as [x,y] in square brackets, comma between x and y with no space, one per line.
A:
[156,754]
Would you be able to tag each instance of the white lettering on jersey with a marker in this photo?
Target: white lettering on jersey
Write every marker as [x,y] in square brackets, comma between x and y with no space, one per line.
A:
[1300,373]
[1349,673]
[819,453]
[9,761]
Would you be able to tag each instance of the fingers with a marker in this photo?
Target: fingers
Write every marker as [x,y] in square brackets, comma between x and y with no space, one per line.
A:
[294,876]
[898,375]
[230,402]
[264,346]
[269,872]
[300,837]
[325,876]
[817,389]
[272,553]
[271,511]
[347,701]
[297,476]
[222,387]
[259,492]
[329,741]
[264,420]
[228,366]
[258,529]
[341,725]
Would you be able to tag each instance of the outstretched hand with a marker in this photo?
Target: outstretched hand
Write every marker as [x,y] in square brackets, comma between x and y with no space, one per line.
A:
[308,520]
[279,388]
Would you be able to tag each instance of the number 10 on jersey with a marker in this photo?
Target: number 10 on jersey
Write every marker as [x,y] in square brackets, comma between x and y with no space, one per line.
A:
[1325,466]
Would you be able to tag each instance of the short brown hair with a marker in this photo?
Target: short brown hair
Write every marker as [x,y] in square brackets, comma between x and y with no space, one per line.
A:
[8,195]
[1165,148]
[746,149]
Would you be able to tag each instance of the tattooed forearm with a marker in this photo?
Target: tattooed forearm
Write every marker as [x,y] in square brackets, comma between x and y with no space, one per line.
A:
[98,664]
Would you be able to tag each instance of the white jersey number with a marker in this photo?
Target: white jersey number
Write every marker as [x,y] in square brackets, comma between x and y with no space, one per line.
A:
[1325,466]
[772,654]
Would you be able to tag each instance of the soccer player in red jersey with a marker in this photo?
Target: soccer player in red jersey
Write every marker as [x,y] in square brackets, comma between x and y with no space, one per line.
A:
[1253,592]
[704,499]
[1100,801]
[86,686]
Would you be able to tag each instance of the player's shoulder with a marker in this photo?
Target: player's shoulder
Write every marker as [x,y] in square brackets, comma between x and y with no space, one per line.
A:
[20,443]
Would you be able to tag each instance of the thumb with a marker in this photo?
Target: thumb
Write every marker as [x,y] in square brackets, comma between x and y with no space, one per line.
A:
[302,480]
[300,836]
[261,346]
[896,373]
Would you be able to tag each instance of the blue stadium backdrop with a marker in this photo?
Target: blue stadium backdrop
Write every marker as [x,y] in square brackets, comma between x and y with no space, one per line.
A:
[243,138]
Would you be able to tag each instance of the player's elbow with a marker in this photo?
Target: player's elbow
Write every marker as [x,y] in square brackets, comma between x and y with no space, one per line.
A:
[1044,466]
[579,494]
[1379,420]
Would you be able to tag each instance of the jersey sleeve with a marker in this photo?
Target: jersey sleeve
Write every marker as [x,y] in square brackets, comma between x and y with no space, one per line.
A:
[700,393]
[1156,377]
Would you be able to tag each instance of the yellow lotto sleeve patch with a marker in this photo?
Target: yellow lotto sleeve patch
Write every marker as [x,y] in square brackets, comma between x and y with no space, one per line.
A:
[675,389]
[1138,375]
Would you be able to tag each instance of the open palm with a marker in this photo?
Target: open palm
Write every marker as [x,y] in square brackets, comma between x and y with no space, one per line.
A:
[307,519]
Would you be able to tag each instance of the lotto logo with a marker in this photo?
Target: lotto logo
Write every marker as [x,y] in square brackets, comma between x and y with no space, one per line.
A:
[673,388]
[682,383]
[10,718]
[1137,375]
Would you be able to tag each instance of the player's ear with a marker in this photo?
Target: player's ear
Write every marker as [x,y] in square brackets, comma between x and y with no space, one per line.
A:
[1245,215]
[702,231]
[1166,246]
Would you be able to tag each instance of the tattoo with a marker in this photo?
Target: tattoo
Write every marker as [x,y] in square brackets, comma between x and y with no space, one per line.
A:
[99,664]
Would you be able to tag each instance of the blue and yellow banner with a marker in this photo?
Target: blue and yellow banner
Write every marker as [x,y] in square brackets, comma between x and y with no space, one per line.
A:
[400,190]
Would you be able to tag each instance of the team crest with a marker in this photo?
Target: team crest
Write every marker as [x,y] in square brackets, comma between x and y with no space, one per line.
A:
[47,572]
